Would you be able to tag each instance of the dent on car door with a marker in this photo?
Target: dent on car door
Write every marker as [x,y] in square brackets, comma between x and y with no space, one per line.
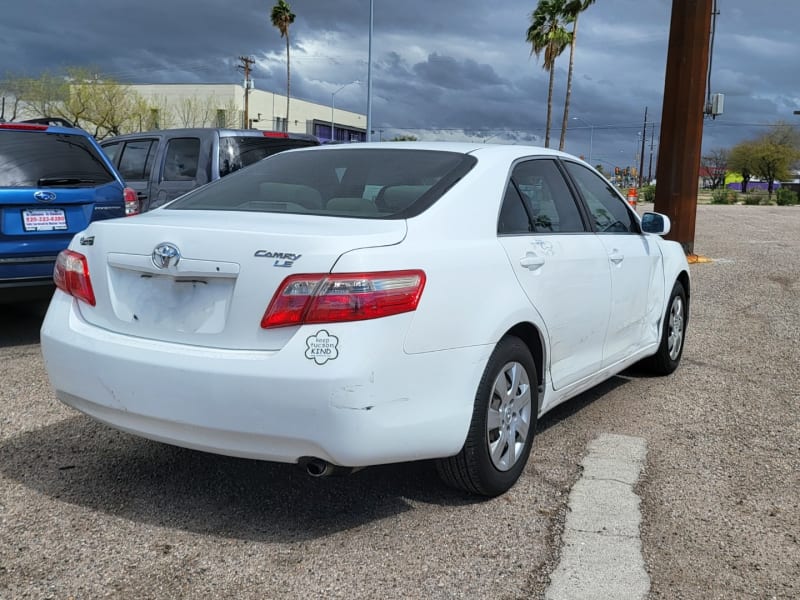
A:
[637,281]
[561,267]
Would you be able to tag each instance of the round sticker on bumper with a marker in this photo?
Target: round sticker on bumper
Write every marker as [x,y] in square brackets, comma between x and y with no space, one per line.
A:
[322,347]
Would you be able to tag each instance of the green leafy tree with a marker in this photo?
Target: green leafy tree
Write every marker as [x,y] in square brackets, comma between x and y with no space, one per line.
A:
[282,16]
[404,138]
[548,38]
[771,160]
[742,160]
[41,96]
[572,10]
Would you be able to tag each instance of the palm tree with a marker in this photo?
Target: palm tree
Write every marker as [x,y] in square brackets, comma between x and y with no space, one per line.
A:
[572,11]
[282,16]
[547,35]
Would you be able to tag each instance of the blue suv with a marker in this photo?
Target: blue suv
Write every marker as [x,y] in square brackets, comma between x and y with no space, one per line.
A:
[53,182]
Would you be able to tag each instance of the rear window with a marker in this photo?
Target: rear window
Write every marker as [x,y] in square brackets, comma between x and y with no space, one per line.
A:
[362,183]
[236,152]
[50,160]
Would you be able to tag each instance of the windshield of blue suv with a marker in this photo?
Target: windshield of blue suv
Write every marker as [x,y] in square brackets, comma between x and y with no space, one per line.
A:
[353,182]
[36,159]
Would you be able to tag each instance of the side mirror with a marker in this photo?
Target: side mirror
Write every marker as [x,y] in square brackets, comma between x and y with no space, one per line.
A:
[655,223]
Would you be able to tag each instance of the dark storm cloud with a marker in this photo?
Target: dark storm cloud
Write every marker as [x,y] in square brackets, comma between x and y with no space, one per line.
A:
[439,67]
[450,73]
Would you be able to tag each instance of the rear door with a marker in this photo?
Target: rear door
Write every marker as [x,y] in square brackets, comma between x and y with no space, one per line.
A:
[562,267]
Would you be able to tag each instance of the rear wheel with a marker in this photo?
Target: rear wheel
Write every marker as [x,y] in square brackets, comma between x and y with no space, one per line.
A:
[666,360]
[503,422]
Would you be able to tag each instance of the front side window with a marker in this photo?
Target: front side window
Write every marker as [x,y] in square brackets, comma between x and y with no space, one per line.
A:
[183,155]
[608,211]
[349,182]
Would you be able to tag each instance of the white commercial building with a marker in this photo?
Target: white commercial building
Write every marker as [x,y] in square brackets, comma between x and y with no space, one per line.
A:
[223,105]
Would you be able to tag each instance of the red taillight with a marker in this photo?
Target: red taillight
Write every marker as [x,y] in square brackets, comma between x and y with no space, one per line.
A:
[71,274]
[131,202]
[303,299]
[275,134]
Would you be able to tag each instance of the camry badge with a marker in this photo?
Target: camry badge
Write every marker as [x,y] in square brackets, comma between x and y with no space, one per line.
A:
[166,255]
[42,196]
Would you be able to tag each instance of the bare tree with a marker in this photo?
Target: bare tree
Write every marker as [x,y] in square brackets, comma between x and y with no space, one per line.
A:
[715,164]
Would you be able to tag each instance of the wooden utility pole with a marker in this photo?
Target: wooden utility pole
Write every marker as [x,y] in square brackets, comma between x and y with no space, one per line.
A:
[678,166]
[641,154]
[245,67]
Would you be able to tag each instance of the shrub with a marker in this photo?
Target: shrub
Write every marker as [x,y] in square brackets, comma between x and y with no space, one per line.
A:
[755,198]
[647,193]
[786,197]
[723,196]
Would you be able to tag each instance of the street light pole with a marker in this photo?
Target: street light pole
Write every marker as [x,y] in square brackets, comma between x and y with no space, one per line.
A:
[591,135]
[333,107]
[369,76]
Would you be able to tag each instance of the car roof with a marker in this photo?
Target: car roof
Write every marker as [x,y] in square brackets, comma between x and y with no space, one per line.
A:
[39,128]
[478,149]
[223,132]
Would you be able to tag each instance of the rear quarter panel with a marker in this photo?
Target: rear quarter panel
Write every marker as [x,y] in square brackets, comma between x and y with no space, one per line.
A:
[471,295]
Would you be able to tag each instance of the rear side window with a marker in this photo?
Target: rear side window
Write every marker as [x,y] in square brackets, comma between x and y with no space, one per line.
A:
[546,198]
[352,182]
[236,152]
[180,163]
[39,159]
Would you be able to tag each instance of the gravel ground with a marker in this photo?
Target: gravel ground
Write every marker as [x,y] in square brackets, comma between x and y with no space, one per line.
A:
[89,512]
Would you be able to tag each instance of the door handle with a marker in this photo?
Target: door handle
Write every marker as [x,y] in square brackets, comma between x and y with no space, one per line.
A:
[531,261]
[616,257]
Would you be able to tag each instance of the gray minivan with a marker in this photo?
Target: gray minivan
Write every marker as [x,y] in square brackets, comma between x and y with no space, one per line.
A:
[163,164]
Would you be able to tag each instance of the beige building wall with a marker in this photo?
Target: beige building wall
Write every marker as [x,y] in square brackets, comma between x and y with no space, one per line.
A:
[222,105]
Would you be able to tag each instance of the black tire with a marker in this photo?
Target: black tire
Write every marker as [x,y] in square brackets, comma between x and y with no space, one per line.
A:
[476,469]
[673,334]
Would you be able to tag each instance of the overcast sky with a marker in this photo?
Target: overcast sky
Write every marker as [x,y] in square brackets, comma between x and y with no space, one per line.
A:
[441,70]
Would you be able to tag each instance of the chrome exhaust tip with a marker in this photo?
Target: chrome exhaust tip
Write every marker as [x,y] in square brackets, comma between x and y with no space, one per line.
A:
[316,467]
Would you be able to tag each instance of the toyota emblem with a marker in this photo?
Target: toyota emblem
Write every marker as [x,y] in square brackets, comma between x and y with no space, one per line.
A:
[166,255]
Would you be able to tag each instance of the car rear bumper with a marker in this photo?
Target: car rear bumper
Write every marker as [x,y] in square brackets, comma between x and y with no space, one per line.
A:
[372,405]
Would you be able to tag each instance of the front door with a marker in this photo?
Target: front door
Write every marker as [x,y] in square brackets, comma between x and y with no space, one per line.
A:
[637,283]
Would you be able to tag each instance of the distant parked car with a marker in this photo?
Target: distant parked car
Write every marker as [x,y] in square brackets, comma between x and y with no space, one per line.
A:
[163,164]
[346,306]
[53,182]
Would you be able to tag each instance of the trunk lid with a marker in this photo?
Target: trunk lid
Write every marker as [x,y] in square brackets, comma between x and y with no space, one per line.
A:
[213,273]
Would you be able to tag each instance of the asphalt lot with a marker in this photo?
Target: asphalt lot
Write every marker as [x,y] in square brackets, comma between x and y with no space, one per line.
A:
[89,512]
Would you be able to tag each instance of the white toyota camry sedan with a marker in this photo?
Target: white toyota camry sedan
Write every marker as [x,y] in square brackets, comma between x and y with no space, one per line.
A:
[346,306]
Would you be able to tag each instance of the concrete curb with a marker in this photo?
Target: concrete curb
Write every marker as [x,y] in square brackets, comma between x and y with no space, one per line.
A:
[601,555]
